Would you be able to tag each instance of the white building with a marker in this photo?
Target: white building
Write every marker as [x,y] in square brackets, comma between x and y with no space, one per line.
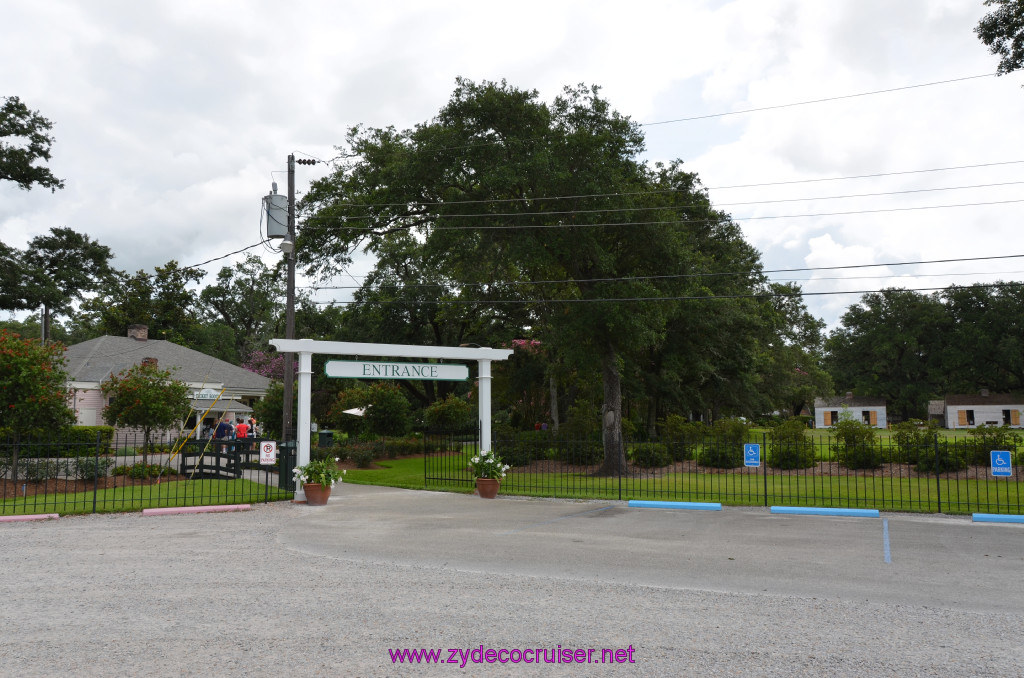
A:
[867,409]
[995,409]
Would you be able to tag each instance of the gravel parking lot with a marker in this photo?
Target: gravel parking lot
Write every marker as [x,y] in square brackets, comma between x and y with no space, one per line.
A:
[286,589]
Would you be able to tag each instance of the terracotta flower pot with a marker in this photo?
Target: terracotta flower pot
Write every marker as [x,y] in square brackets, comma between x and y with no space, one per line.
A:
[316,494]
[487,488]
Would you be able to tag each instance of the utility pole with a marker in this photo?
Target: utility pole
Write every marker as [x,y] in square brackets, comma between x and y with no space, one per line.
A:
[289,326]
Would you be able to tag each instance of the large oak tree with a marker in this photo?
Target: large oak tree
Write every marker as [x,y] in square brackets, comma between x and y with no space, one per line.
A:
[545,206]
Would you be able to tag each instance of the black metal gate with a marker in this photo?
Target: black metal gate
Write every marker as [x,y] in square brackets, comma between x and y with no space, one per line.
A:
[446,455]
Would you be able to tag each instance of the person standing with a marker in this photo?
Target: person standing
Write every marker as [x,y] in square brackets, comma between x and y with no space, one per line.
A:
[241,428]
[224,429]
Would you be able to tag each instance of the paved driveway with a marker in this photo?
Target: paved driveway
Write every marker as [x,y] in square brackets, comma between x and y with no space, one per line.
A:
[294,590]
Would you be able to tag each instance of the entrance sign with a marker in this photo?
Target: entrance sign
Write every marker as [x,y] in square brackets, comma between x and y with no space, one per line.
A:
[268,452]
[751,454]
[1001,467]
[305,348]
[354,369]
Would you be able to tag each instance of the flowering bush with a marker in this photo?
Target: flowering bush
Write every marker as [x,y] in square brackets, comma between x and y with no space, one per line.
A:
[320,472]
[487,465]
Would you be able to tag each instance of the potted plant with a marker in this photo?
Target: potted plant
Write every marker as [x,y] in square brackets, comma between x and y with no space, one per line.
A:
[488,470]
[317,478]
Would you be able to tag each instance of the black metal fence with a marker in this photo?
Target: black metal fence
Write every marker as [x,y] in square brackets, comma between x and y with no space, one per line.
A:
[934,473]
[73,475]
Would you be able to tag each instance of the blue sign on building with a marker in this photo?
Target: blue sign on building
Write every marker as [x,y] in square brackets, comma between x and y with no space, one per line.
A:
[751,454]
[1001,466]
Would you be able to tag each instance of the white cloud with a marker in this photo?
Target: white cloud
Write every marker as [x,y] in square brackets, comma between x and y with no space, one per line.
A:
[172,118]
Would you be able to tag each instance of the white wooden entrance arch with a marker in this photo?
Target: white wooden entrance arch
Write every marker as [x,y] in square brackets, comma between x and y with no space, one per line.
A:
[305,348]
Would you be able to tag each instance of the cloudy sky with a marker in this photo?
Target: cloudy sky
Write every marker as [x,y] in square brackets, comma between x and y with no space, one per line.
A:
[172,118]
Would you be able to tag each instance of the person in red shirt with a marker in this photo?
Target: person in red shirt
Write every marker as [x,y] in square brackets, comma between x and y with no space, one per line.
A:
[241,429]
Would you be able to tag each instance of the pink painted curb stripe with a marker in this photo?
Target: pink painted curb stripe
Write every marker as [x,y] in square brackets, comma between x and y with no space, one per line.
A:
[195,509]
[34,516]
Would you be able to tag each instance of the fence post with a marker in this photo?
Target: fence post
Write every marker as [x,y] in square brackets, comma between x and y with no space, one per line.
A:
[938,480]
[764,464]
[96,471]
[621,456]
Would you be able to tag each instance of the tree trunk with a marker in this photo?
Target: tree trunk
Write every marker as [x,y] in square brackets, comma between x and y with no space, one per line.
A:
[611,415]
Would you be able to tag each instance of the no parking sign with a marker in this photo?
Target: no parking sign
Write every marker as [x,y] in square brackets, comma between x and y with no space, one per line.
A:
[268,452]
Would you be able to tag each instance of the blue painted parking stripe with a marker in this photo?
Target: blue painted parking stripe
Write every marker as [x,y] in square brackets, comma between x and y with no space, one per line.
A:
[885,540]
[815,511]
[996,518]
[689,505]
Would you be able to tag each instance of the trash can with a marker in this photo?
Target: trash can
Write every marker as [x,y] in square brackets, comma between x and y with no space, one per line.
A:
[285,466]
[326,439]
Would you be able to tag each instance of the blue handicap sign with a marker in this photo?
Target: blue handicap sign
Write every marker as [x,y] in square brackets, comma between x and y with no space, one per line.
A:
[1001,467]
[751,454]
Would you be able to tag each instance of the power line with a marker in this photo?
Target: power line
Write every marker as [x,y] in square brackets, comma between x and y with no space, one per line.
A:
[481,144]
[816,101]
[229,254]
[755,295]
[498,201]
[706,275]
[640,208]
[669,222]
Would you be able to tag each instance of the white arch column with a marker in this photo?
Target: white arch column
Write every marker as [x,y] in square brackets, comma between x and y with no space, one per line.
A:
[305,348]
[484,383]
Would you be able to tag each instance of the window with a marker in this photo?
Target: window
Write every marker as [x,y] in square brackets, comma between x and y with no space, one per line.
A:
[970,417]
[1006,417]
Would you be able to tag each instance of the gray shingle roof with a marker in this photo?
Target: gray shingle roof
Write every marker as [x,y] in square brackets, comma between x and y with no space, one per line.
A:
[96,359]
[849,401]
[990,399]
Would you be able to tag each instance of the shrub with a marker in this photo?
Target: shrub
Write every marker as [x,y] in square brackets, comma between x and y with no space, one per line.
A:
[38,470]
[361,454]
[582,452]
[724,447]
[986,438]
[854,444]
[650,455]
[141,471]
[81,441]
[389,412]
[401,447]
[914,438]
[788,446]
[682,436]
[948,455]
[87,468]
[720,455]
[451,414]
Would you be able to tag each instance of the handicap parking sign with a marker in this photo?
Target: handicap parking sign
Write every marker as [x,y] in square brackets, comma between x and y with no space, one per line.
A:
[1001,467]
[751,454]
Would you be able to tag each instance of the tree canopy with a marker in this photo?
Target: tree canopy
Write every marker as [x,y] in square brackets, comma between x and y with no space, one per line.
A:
[24,139]
[146,397]
[33,386]
[1002,30]
[510,202]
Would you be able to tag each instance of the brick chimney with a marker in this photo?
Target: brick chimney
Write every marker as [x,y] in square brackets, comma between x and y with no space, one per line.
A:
[138,332]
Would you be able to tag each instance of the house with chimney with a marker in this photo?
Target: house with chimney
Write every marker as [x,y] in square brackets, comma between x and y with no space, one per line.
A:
[973,410]
[867,409]
[219,389]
